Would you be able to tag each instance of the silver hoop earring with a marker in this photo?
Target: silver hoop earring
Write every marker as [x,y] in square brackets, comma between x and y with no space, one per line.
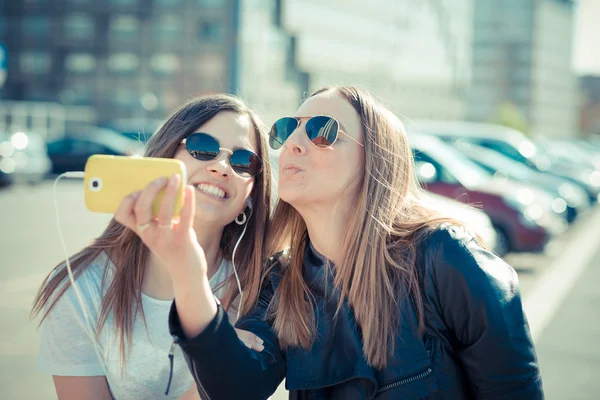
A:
[243,221]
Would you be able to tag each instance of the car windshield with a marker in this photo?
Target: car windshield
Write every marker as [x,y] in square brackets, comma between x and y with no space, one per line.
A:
[494,160]
[464,170]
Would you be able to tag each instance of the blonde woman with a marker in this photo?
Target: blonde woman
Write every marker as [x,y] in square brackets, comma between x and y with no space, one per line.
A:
[377,297]
[126,287]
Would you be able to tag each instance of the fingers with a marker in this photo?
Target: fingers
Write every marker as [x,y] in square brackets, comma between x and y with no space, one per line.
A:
[186,219]
[125,215]
[143,205]
[250,340]
[167,207]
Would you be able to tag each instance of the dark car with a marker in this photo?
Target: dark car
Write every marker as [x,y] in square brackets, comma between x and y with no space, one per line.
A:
[566,194]
[522,216]
[6,172]
[515,145]
[71,152]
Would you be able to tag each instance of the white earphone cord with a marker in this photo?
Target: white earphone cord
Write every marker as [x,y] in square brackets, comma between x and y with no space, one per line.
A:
[90,331]
[237,278]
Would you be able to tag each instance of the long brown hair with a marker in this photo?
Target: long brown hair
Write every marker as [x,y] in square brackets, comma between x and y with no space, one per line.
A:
[379,249]
[127,252]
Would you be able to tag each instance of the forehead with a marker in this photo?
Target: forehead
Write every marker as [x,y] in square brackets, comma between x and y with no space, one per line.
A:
[334,105]
[231,129]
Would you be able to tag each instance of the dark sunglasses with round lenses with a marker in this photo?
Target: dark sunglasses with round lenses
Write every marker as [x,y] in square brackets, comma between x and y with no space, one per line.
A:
[205,147]
[322,131]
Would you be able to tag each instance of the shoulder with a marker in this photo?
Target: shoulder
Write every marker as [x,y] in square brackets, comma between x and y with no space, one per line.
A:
[92,283]
[455,258]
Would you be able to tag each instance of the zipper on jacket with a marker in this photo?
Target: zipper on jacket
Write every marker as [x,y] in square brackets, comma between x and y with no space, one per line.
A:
[404,381]
[201,391]
[171,355]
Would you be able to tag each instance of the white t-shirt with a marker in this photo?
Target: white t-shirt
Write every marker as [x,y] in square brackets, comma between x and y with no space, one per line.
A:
[66,349]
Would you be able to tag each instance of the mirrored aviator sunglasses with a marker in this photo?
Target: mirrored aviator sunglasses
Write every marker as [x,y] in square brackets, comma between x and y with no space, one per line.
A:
[205,147]
[322,131]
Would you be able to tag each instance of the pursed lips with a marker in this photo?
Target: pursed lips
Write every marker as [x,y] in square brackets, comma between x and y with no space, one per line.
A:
[290,168]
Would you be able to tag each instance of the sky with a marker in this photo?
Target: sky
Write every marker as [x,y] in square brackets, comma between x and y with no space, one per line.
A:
[586,56]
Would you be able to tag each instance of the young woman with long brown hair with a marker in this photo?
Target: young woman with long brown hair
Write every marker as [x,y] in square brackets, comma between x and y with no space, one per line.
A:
[125,287]
[371,295]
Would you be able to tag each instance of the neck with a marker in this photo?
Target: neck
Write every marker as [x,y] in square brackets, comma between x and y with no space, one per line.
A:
[327,226]
[157,282]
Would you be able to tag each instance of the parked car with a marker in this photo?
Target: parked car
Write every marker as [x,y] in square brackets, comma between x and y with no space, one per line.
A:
[569,151]
[6,170]
[515,145]
[26,155]
[566,194]
[472,217]
[522,217]
[71,152]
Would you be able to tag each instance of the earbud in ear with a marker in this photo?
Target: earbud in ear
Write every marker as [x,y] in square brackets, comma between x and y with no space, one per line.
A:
[249,202]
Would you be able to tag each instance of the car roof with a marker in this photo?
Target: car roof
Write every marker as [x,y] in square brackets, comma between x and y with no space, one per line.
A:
[467,129]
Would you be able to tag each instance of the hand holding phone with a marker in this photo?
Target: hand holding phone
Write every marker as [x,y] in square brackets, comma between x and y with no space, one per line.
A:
[109,179]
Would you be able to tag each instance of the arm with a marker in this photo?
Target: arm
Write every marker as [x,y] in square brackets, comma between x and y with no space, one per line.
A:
[479,301]
[81,387]
[223,366]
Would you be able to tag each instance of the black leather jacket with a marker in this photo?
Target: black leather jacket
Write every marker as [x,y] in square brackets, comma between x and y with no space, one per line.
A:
[476,343]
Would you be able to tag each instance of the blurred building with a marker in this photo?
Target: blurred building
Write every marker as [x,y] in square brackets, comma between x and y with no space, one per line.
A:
[522,65]
[267,74]
[589,118]
[414,55]
[142,58]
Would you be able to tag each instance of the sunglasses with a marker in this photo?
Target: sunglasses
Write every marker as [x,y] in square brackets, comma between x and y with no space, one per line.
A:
[205,147]
[322,131]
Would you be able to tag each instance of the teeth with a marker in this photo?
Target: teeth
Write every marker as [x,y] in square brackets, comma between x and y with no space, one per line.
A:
[212,190]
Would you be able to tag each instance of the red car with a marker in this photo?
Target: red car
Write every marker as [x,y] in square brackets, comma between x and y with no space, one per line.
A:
[522,216]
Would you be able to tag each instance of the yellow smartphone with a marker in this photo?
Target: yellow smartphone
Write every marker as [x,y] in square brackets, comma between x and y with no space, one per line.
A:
[109,179]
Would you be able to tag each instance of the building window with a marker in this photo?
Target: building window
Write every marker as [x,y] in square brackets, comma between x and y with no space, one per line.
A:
[124,26]
[36,26]
[211,3]
[164,63]
[36,62]
[79,26]
[168,28]
[80,63]
[123,62]
[210,31]
[76,94]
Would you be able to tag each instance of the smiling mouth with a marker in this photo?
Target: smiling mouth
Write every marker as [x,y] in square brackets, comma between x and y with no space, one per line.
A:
[211,190]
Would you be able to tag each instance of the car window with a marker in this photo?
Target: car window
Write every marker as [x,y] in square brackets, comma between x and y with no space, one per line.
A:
[59,147]
[501,147]
[442,173]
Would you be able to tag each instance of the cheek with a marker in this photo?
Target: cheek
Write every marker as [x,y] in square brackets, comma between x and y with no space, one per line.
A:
[335,170]
[191,164]
[243,190]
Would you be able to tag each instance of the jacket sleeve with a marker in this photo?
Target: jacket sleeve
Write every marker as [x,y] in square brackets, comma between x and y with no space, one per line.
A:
[222,366]
[480,303]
